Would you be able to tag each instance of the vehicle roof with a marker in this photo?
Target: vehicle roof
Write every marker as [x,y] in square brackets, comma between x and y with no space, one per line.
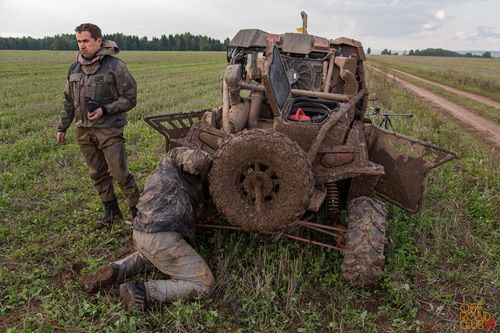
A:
[292,42]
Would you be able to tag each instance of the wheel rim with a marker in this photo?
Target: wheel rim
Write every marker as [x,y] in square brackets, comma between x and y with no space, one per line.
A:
[261,180]
[258,184]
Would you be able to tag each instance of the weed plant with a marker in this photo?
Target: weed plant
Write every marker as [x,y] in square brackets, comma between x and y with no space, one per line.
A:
[444,256]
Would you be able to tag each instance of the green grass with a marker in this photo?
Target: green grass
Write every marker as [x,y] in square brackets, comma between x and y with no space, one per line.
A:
[476,75]
[487,111]
[444,256]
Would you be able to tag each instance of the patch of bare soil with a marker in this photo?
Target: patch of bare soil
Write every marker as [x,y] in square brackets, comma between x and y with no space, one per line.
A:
[473,96]
[486,128]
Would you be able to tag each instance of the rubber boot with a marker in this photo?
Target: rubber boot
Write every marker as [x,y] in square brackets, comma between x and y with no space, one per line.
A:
[105,275]
[112,214]
[134,296]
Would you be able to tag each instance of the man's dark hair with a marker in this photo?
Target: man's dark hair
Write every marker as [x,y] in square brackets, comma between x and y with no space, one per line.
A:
[95,31]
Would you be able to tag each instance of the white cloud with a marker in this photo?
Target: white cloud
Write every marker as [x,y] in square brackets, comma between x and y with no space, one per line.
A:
[437,21]
[483,34]
[440,15]
[461,35]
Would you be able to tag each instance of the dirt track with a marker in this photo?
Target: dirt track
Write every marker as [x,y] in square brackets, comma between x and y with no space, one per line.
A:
[487,128]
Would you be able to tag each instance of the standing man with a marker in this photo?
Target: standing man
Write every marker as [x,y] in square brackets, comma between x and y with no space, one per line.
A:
[99,91]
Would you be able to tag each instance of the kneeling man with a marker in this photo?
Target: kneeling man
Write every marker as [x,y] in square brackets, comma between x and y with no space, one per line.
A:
[168,209]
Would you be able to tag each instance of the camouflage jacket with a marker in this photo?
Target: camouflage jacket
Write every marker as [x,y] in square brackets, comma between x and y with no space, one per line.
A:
[104,80]
[173,196]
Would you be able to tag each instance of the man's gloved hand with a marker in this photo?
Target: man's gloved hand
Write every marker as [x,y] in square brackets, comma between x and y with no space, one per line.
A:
[91,105]
[95,111]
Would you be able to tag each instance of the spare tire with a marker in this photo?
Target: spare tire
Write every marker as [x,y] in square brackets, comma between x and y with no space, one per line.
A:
[261,180]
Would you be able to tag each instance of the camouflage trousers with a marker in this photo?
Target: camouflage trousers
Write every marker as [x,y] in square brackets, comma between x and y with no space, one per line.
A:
[190,276]
[104,152]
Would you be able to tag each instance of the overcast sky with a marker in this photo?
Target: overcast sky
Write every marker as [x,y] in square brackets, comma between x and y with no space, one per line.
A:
[458,25]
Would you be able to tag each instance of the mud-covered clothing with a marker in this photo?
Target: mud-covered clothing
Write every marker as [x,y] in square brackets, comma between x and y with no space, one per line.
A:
[104,152]
[106,81]
[173,196]
[168,209]
[190,276]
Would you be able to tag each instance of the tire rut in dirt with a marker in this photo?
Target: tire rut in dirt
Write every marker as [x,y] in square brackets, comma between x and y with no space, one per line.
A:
[365,239]
[261,180]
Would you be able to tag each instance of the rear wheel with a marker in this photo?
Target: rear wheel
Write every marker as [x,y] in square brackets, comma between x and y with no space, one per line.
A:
[365,239]
[261,180]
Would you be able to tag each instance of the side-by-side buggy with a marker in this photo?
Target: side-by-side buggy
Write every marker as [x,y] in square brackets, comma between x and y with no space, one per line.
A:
[291,137]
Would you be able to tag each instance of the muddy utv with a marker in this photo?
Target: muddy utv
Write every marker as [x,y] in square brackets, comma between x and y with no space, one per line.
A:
[291,138]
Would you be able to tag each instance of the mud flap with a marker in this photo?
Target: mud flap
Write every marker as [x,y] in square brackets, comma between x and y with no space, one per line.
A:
[407,162]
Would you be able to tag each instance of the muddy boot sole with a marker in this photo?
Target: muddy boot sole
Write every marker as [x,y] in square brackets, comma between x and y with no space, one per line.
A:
[90,283]
[133,294]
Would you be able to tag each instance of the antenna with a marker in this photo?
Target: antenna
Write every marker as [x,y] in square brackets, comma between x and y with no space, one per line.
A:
[304,22]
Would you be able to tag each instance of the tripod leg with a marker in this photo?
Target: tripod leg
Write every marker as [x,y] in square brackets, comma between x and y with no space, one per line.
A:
[383,123]
[386,118]
[390,123]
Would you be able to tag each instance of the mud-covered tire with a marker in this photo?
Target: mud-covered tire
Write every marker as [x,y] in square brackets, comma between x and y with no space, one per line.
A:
[261,180]
[365,239]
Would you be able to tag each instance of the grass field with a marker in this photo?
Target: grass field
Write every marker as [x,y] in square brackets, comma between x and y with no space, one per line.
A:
[437,260]
[477,75]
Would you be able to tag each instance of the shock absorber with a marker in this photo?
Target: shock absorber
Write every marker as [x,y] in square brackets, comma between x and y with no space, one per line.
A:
[332,198]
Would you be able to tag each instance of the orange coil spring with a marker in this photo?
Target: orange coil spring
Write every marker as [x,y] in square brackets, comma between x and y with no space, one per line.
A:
[332,198]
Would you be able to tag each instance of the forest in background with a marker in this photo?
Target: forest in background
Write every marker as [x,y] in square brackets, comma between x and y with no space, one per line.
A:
[431,52]
[177,42]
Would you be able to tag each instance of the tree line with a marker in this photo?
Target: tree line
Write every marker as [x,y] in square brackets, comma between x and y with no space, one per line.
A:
[177,42]
[438,53]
